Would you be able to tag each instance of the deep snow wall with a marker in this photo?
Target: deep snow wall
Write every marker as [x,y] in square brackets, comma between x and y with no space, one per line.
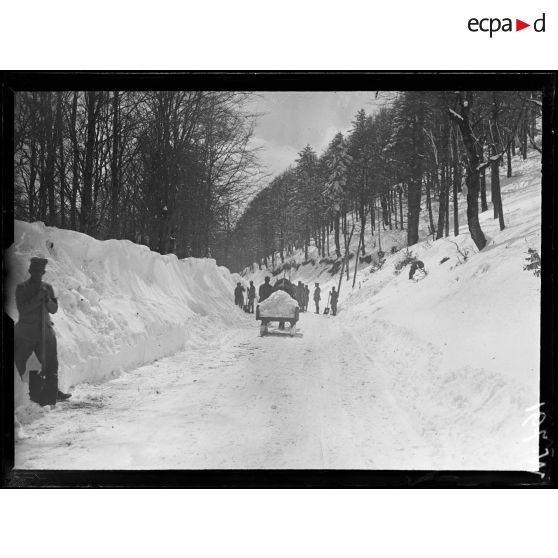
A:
[120,304]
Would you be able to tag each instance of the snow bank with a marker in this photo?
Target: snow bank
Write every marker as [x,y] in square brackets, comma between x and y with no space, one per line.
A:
[280,305]
[120,304]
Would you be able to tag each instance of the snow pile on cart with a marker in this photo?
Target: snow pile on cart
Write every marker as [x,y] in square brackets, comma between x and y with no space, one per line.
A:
[279,304]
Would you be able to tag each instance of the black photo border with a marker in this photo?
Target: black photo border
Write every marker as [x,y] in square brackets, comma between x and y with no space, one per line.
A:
[13,81]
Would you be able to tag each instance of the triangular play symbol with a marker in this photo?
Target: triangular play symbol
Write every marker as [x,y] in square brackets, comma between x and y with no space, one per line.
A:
[519,25]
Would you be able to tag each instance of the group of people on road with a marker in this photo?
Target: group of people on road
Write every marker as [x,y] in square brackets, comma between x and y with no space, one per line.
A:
[265,290]
[333,297]
[300,292]
[302,295]
[239,297]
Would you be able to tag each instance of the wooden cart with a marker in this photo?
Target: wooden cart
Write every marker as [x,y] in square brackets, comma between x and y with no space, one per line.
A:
[281,319]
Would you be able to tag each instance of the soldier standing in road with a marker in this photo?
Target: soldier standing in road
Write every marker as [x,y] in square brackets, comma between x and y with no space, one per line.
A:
[251,297]
[317,297]
[300,295]
[239,295]
[265,290]
[35,300]
[334,298]
[306,297]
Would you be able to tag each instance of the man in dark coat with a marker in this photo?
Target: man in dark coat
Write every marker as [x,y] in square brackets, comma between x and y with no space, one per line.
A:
[239,295]
[300,295]
[251,297]
[265,290]
[306,297]
[34,301]
[334,295]
[317,297]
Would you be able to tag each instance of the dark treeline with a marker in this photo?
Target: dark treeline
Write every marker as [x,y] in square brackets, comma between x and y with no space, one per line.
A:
[424,149]
[169,169]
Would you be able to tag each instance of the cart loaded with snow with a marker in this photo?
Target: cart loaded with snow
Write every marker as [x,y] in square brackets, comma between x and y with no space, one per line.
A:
[280,307]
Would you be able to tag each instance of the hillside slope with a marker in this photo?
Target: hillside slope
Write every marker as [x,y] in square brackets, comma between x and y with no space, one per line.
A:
[459,348]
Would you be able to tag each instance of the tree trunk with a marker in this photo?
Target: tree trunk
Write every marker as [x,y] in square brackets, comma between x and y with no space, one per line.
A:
[306,244]
[345,258]
[42,197]
[336,235]
[455,206]
[379,231]
[32,165]
[442,217]
[50,145]
[75,164]
[401,207]
[61,160]
[87,191]
[496,192]
[508,152]
[524,138]
[484,204]
[114,167]
[473,182]
[413,213]
[362,229]
[429,206]
[360,243]
[385,210]
[447,212]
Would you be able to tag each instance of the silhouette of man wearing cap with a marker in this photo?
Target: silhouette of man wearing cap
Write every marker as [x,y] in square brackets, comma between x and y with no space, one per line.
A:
[317,297]
[35,300]
[239,295]
[334,296]
[265,289]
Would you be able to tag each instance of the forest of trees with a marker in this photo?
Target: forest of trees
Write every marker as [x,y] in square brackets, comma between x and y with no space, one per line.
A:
[422,149]
[169,169]
[176,170]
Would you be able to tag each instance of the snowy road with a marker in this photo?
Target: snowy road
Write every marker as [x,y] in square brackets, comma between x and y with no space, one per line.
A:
[313,401]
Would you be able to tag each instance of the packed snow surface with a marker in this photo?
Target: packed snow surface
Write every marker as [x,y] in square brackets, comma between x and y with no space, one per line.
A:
[438,373]
[279,304]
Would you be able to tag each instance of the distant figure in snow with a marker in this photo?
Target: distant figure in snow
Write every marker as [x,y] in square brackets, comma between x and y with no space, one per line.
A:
[265,290]
[300,295]
[334,296]
[251,297]
[317,297]
[35,300]
[239,295]
[306,297]
[417,266]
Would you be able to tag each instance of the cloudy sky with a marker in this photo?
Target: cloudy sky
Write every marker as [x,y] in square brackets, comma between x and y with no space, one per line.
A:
[290,120]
